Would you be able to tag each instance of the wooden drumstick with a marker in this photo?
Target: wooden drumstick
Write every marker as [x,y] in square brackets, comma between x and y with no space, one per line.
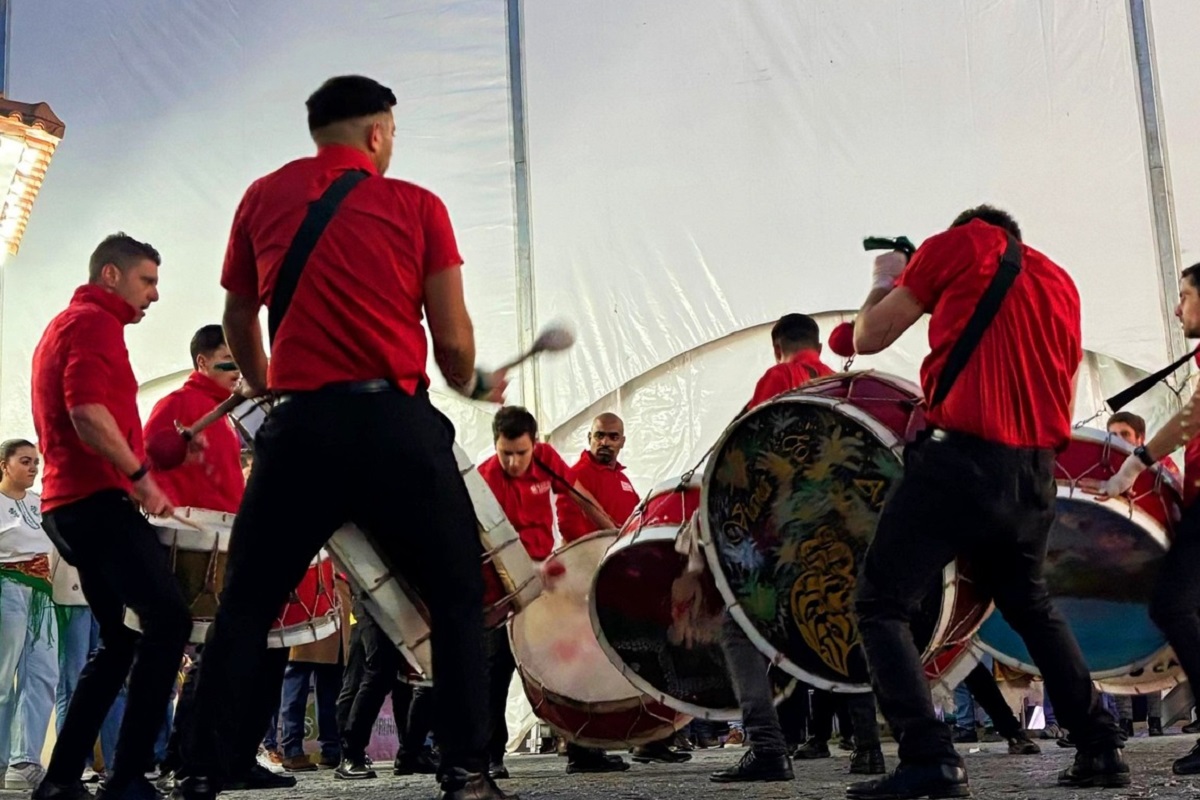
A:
[167,449]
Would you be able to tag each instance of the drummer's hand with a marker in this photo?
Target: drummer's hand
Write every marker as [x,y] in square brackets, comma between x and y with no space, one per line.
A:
[195,449]
[152,498]
[489,387]
[1123,481]
[248,389]
[887,269]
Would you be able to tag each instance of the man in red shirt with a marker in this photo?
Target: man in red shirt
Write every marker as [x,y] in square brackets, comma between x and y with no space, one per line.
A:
[212,478]
[598,471]
[796,339]
[85,413]
[523,474]
[979,483]
[348,262]
[1175,607]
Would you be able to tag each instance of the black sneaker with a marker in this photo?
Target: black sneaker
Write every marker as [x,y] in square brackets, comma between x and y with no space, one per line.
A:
[757,767]
[138,789]
[194,787]
[867,761]
[912,781]
[846,743]
[1192,727]
[1126,726]
[1106,768]
[813,748]
[258,777]
[1154,726]
[458,784]
[966,735]
[420,764]
[498,772]
[353,769]
[596,762]
[1188,765]
[1022,745]
[659,753]
[61,791]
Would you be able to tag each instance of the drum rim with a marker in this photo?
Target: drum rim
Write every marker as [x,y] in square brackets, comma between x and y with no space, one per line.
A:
[887,438]
[515,628]
[556,700]
[1114,442]
[654,534]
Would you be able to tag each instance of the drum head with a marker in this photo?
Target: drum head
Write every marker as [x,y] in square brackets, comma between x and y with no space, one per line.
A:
[790,503]
[1102,565]
[552,639]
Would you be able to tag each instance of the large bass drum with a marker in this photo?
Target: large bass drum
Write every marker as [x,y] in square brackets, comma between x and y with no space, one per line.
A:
[1102,563]
[790,502]
[660,622]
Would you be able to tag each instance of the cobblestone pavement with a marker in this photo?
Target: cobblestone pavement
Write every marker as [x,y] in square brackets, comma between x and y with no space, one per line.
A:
[994,775]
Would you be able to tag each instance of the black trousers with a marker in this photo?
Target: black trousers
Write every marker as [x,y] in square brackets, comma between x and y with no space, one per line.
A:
[826,705]
[1175,606]
[265,697]
[418,720]
[371,674]
[995,505]
[120,564]
[982,686]
[793,715]
[410,500]
[749,672]
[500,667]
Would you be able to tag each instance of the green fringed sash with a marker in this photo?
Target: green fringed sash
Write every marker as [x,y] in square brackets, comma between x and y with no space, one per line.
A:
[40,603]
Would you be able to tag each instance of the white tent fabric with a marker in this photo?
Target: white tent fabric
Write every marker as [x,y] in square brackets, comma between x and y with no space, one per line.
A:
[695,171]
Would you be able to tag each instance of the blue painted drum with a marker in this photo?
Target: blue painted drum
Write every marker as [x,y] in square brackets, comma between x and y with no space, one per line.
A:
[1102,561]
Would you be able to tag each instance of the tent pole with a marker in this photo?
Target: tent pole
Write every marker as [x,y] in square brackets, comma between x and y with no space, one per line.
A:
[526,300]
[1162,205]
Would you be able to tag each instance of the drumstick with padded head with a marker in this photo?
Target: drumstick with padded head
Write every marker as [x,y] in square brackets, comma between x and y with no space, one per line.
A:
[554,338]
[168,448]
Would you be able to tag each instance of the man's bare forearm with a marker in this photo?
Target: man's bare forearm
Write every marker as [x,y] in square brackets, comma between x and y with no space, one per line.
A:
[243,335]
[99,430]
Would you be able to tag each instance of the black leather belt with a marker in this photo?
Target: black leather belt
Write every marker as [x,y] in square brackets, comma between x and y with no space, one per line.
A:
[373,386]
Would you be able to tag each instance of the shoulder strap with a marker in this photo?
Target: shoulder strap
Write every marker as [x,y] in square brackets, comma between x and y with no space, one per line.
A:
[320,212]
[985,312]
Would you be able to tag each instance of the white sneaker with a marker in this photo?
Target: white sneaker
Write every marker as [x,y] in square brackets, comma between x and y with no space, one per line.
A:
[24,777]
[267,762]
[90,775]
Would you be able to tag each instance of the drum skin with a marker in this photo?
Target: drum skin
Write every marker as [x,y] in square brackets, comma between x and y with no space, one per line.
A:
[1102,562]
[791,499]
[658,623]
[568,679]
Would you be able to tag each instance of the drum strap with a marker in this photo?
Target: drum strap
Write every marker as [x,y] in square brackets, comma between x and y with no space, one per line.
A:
[985,312]
[320,212]
[1123,398]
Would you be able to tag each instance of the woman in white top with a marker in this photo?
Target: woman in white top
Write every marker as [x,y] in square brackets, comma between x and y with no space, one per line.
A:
[28,631]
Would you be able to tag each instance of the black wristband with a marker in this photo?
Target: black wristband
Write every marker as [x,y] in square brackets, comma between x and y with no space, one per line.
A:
[1144,455]
[481,390]
[139,473]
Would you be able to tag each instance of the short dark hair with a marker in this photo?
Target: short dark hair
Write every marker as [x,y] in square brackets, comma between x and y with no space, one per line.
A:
[1192,273]
[513,422]
[123,251]
[796,332]
[206,340]
[347,97]
[992,216]
[1132,420]
[9,447]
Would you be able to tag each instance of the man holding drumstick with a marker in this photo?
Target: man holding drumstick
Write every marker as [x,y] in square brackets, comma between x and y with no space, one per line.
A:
[86,416]
[348,262]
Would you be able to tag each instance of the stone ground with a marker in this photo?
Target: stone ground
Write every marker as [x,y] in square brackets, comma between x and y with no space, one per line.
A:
[994,775]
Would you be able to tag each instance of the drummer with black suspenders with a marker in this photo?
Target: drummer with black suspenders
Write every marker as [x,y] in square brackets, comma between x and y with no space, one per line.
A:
[348,262]
[86,416]
[212,478]
[1175,607]
[1005,345]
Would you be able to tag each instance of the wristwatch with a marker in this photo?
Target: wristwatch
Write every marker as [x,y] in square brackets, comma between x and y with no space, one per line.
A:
[1143,455]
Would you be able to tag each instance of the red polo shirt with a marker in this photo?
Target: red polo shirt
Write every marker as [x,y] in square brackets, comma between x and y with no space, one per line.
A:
[216,481]
[356,313]
[610,487]
[1016,387]
[81,360]
[526,500]
[792,374]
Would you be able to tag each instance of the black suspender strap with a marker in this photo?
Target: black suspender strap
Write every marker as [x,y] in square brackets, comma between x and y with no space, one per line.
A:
[320,212]
[985,312]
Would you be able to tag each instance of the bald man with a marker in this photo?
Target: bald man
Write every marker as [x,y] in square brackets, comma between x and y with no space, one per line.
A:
[603,476]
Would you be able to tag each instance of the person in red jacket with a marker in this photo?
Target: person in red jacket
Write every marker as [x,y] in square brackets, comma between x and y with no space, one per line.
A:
[212,478]
[523,475]
[86,416]
[796,340]
[598,471]
[212,475]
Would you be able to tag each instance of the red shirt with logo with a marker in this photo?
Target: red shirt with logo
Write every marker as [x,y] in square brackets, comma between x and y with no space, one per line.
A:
[607,483]
[1016,387]
[215,481]
[803,367]
[527,500]
[357,310]
[82,360]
